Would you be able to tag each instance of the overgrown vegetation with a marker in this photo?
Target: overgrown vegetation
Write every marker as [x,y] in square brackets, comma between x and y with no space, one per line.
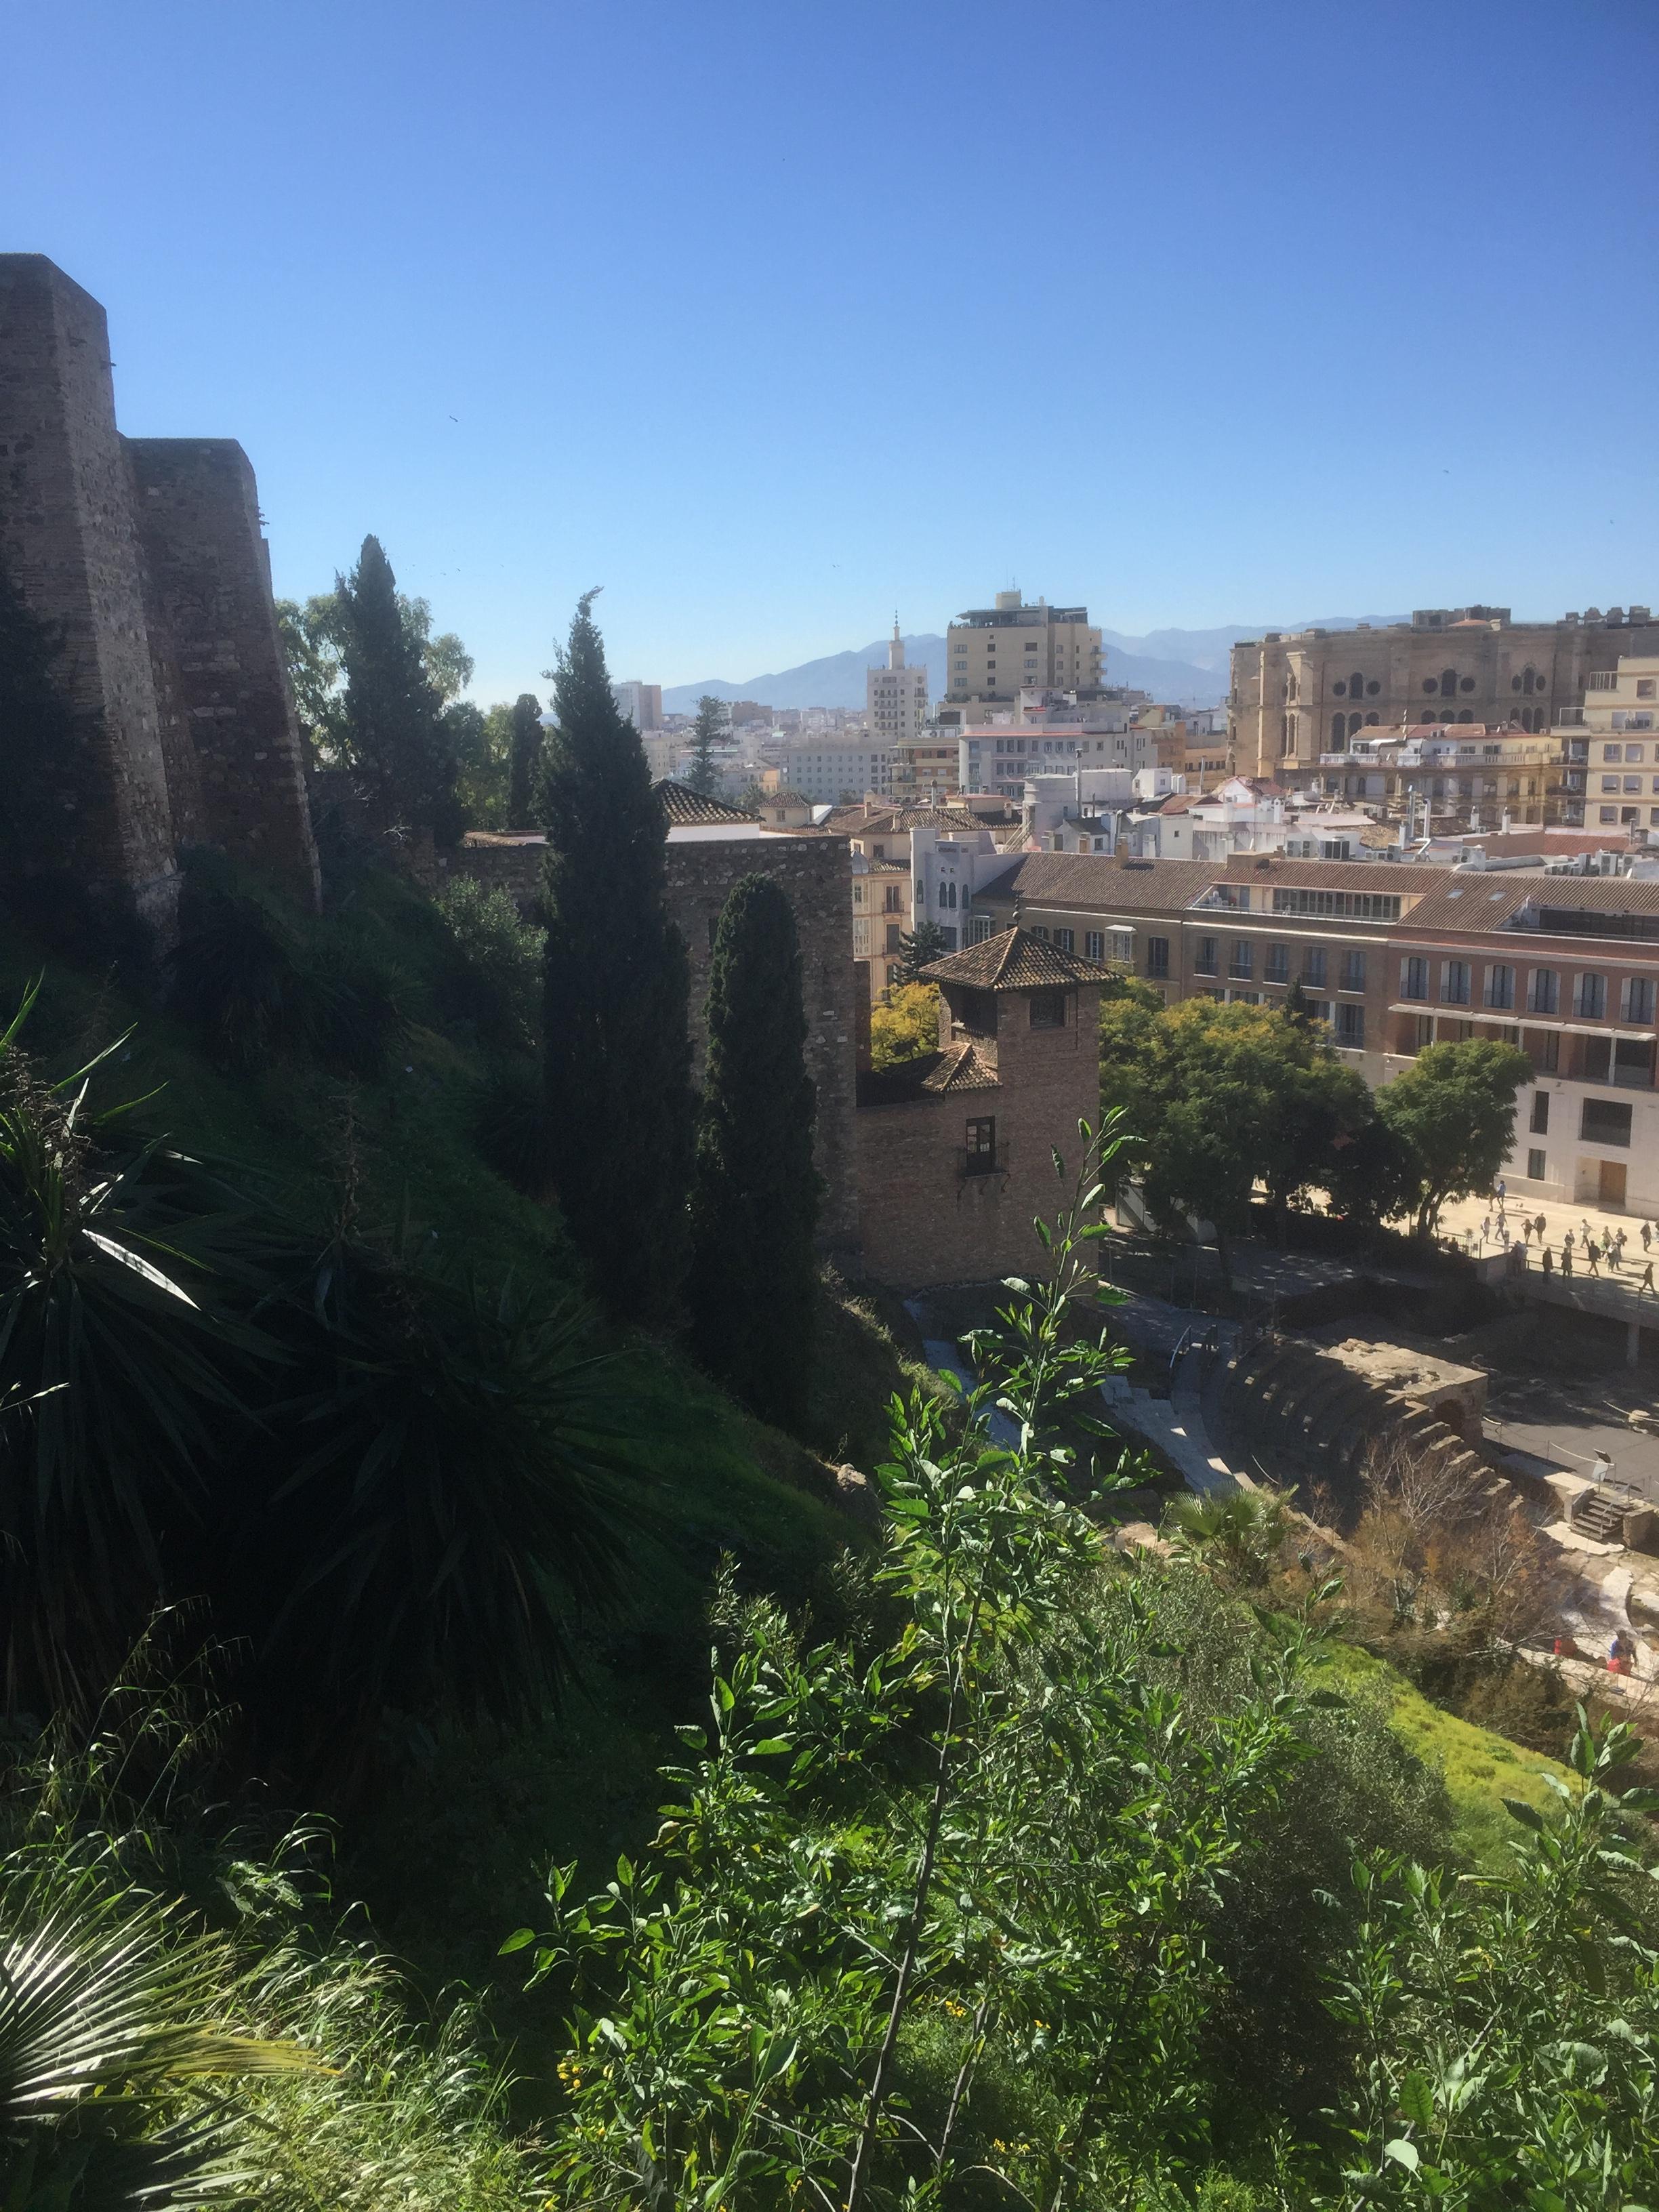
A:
[1031,1882]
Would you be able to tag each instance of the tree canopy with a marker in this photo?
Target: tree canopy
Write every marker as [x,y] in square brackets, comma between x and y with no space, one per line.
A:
[904,1023]
[1221,1097]
[1452,1117]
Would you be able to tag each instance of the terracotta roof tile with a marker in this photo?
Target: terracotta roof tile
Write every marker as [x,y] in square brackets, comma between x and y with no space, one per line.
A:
[687,809]
[1015,960]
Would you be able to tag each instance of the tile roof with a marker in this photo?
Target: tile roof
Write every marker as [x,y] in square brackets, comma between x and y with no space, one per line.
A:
[962,1068]
[785,799]
[1096,882]
[853,821]
[1015,960]
[687,808]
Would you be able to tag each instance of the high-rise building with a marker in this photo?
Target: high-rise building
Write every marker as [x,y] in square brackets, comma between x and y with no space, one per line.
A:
[895,697]
[640,702]
[1296,696]
[994,654]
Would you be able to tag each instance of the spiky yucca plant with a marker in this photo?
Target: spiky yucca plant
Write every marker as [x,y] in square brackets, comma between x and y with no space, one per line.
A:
[118,1373]
[442,1497]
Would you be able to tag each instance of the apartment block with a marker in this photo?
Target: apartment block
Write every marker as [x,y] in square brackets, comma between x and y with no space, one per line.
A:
[994,652]
[640,703]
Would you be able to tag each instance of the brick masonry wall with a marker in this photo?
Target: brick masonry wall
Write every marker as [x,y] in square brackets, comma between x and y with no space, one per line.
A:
[69,544]
[924,1220]
[240,775]
[816,872]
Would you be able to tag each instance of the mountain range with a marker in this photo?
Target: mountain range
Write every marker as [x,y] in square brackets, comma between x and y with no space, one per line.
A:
[1184,667]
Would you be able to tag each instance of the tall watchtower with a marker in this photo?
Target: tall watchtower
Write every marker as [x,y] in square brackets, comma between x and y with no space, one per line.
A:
[148,558]
[69,544]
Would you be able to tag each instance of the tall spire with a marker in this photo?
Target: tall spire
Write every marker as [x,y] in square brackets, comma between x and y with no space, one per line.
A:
[896,650]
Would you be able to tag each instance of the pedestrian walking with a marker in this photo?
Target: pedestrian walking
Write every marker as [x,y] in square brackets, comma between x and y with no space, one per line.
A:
[1485,1227]
[1647,1237]
[1526,1229]
[1566,1242]
[1592,1254]
[1646,1283]
[1566,1256]
[1620,1239]
[1549,1263]
[1540,1225]
[1500,1188]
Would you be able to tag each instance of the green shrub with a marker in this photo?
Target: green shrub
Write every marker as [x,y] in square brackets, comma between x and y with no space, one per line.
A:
[493,985]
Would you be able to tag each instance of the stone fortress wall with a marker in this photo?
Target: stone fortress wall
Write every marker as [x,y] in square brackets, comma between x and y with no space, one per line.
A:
[148,557]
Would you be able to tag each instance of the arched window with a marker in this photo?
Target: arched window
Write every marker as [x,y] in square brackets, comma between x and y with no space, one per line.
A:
[1372,719]
[1356,687]
[1448,683]
[1466,714]
[1339,729]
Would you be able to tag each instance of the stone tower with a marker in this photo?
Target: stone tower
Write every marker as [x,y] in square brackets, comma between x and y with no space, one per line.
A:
[147,555]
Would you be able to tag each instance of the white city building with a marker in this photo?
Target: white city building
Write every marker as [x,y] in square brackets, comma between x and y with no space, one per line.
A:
[838,771]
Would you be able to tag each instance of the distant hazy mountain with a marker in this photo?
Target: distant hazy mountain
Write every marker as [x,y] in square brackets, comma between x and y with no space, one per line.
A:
[1186,667]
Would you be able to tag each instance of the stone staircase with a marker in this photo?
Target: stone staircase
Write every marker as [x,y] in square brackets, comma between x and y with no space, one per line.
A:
[1175,1427]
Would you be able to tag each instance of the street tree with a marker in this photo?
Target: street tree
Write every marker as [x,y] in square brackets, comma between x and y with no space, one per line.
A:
[1224,1098]
[1452,1114]
[618,1097]
[753,1281]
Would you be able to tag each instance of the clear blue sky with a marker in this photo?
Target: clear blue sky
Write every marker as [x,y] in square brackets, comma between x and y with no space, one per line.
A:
[771,318]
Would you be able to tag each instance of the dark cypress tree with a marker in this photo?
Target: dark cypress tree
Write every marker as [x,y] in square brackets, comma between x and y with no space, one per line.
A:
[618,1059]
[526,745]
[392,716]
[754,1193]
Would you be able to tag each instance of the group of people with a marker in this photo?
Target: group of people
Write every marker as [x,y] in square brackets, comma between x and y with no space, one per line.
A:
[1587,1249]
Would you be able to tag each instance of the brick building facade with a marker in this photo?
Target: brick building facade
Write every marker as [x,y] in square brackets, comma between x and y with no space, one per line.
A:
[956,1150]
[147,555]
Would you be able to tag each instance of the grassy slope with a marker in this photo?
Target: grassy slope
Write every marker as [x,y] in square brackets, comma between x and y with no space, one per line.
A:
[1480,1770]
[447,1858]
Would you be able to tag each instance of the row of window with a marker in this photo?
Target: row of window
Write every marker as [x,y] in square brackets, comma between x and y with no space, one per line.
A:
[1623,753]
[1630,814]
[1629,782]
[1346,1021]
[1276,964]
[1637,994]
